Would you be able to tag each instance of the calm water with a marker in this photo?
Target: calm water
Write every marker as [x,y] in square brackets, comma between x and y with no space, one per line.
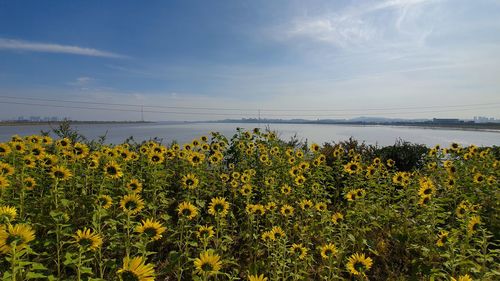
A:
[382,135]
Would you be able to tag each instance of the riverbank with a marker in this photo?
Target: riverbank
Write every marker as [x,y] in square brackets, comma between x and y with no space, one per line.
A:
[29,123]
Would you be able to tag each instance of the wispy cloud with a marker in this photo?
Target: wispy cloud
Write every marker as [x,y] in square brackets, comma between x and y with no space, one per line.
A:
[362,24]
[21,45]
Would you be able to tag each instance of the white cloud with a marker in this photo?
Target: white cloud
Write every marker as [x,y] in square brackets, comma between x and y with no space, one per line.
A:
[21,45]
[363,24]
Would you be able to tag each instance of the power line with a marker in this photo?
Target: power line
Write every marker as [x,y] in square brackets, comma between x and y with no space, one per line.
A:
[233,114]
[255,109]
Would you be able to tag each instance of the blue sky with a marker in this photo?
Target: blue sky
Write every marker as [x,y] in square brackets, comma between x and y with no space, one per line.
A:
[330,59]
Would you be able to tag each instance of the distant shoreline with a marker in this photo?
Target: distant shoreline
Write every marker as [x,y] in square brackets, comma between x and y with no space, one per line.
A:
[29,123]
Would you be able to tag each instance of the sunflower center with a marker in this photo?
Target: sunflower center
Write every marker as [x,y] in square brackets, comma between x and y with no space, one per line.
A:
[150,231]
[129,276]
[155,158]
[111,170]
[207,267]
[189,182]
[85,242]
[196,159]
[328,252]
[359,266]
[186,212]
[427,191]
[14,239]
[59,174]
[218,207]
[130,205]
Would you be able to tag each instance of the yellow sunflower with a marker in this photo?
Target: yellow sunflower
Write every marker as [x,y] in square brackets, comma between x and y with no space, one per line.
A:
[299,180]
[7,214]
[257,277]
[479,178]
[321,206]
[442,238]
[136,269]
[352,167]
[29,183]
[132,203]
[462,209]
[113,170]
[465,277]
[218,207]
[327,251]
[205,232]
[299,251]
[4,150]
[87,239]
[277,233]
[6,169]
[286,189]
[4,182]
[208,263]
[190,181]
[473,224]
[134,185]
[15,237]
[60,173]
[337,218]
[196,158]
[358,264]
[287,210]
[187,210]
[104,201]
[151,228]
[306,204]
[246,189]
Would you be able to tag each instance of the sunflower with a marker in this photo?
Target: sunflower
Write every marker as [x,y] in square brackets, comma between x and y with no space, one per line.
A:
[286,189]
[271,206]
[328,250]
[190,181]
[246,189]
[4,182]
[132,203]
[266,236]
[196,158]
[104,201]
[257,277]
[7,214]
[37,151]
[426,189]
[156,158]
[277,233]
[465,277]
[19,147]
[208,263]
[4,150]
[352,167]
[450,182]
[87,239]
[315,147]
[134,185]
[424,200]
[17,236]
[299,180]
[113,170]
[299,251]
[187,210]
[473,224]
[462,209]
[80,150]
[218,207]
[63,143]
[306,204]
[391,163]
[205,232]
[479,178]
[358,264]
[6,169]
[60,173]
[136,269]
[287,210]
[321,207]
[337,218]
[29,183]
[151,228]
[442,238]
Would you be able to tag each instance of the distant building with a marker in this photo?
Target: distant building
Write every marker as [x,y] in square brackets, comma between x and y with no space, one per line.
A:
[447,120]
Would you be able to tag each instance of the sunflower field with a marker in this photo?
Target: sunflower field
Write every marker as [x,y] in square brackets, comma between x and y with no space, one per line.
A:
[252,207]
